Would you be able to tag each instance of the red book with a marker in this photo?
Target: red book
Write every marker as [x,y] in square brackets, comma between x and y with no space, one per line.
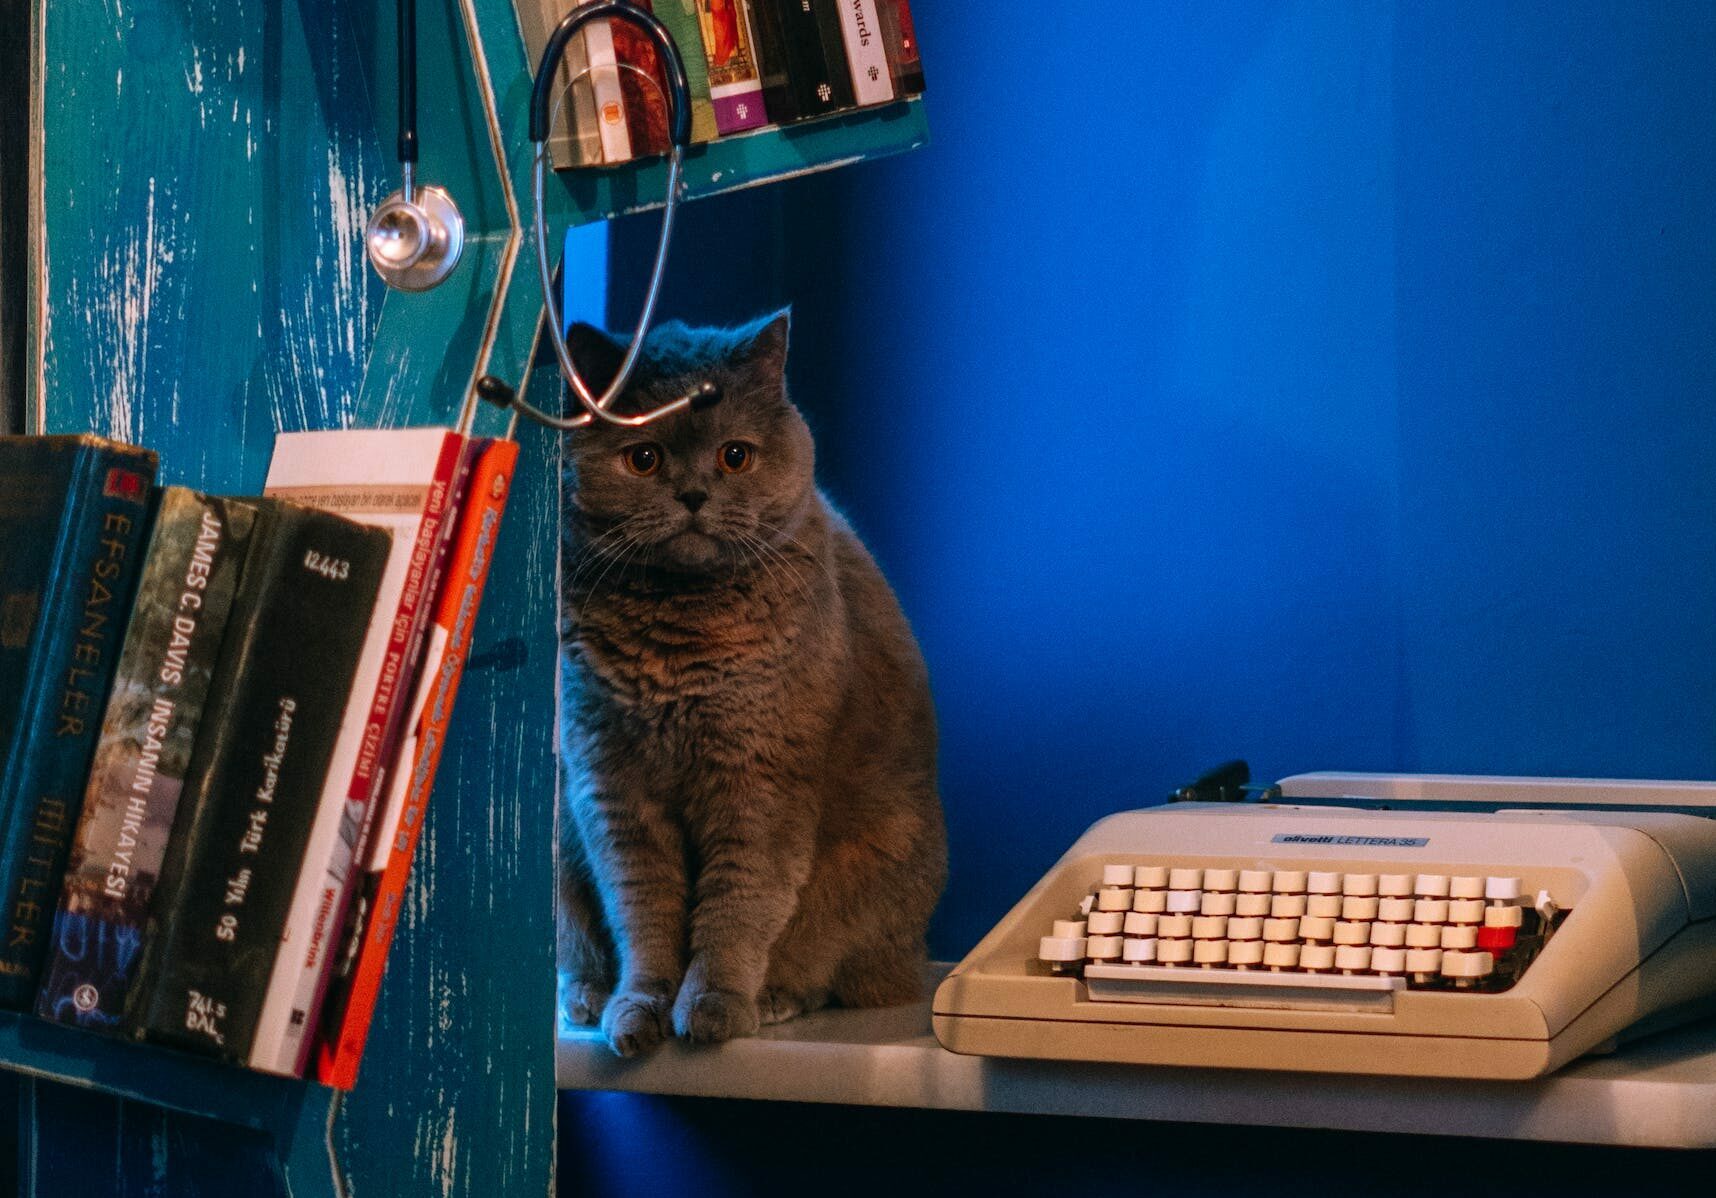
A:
[646,102]
[351,1005]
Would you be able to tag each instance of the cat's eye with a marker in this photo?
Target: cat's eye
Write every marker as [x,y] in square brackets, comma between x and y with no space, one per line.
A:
[642,460]
[737,457]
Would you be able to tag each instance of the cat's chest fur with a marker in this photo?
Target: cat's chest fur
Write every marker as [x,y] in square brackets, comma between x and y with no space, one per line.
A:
[669,662]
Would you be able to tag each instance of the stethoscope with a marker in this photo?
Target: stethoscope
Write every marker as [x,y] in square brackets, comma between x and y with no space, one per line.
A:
[415,235]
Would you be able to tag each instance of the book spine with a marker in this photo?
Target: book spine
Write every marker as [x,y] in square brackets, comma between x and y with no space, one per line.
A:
[36,476]
[610,99]
[866,52]
[258,787]
[643,83]
[902,42]
[680,17]
[96,567]
[574,139]
[772,61]
[730,53]
[319,900]
[189,576]
[817,78]
[350,1008]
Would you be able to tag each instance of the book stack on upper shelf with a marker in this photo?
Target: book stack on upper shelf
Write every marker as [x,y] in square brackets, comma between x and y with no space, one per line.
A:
[220,718]
[750,64]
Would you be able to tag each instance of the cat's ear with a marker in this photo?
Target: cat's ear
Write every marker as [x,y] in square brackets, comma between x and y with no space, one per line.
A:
[769,346]
[596,354]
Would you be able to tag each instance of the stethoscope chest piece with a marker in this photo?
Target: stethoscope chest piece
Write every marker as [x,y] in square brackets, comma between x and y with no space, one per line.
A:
[414,240]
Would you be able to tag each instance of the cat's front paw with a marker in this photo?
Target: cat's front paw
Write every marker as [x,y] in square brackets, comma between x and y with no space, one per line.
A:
[634,1022]
[583,1001]
[711,1016]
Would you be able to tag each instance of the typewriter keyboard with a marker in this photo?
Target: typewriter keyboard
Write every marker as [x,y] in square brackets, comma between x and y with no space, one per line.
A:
[1295,937]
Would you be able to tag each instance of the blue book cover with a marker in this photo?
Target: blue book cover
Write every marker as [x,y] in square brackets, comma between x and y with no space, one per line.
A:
[73,513]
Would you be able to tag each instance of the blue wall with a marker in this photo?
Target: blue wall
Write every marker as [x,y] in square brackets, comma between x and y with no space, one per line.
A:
[1328,384]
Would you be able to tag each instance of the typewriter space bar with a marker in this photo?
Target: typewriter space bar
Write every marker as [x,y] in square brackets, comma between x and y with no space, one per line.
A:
[1192,986]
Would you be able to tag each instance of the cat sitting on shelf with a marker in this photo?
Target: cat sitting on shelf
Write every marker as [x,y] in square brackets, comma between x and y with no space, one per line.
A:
[752,828]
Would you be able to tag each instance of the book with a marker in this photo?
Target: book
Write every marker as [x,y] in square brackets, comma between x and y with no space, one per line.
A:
[602,62]
[866,52]
[902,42]
[771,59]
[643,84]
[406,481]
[680,17]
[574,138]
[280,692]
[730,53]
[813,59]
[73,514]
[190,573]
[351,1005]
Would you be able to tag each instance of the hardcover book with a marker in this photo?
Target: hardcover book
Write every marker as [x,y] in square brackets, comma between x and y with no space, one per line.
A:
[406,481]
[346,1017]
[730,50]
[643,84]
[680,17]
[902,42]
[190,572]
[73,514]
[602,62]
[574,139]
[866,52]
[771,59]
[281,688]
[818,81]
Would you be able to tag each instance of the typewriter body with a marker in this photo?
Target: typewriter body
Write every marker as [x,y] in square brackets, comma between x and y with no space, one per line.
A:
[1348,925]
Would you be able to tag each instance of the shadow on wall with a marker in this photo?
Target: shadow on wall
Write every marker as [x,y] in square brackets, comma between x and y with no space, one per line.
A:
[1328,385]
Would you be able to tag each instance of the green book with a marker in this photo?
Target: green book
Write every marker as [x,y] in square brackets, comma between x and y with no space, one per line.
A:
[680,17]
[190,573]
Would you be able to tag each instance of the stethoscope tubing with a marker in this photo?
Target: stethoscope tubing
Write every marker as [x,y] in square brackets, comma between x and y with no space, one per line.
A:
[596,407]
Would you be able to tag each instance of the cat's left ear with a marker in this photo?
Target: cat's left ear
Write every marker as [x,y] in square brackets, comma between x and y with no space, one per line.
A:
[769,347]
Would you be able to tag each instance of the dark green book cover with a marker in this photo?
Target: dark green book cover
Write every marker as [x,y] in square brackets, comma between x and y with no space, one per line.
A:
[813,52]
[73,514]
[279,695]
[190,573]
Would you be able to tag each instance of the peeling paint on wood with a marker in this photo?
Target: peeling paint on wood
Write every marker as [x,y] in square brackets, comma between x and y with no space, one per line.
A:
[205,177]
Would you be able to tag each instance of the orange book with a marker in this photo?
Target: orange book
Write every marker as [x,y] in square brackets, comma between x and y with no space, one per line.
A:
[393,838]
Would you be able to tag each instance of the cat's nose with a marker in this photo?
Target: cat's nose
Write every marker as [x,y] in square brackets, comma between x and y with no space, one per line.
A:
[693,499]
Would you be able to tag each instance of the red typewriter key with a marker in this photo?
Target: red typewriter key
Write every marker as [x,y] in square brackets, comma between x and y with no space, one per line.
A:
[1496,940]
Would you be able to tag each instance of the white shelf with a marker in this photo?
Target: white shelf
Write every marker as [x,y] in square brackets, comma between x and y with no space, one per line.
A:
[1659,1092]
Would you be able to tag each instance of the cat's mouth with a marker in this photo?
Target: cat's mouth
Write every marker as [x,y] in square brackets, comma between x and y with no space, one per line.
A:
[693,548]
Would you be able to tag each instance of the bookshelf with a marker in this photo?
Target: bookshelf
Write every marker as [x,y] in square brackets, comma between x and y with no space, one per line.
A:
[198,283]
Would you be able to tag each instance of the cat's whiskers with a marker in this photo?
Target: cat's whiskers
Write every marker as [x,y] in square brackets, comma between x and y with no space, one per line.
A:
[631,543]
[790,569]
[803,550]
[596,550]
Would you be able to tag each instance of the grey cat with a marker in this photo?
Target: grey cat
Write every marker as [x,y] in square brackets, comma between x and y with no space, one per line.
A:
[752,828]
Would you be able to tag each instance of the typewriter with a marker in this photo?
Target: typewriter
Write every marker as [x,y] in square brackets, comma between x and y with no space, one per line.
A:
[1437,926]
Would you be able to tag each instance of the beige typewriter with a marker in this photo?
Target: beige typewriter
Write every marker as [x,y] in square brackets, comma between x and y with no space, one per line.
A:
[1348,926]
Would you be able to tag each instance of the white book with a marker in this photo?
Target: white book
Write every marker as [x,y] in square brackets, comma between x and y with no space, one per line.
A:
[406,481]
[866,52]
[610,100]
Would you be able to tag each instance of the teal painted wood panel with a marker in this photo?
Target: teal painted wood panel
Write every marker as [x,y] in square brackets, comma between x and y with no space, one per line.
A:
[200,180]
[204,177]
